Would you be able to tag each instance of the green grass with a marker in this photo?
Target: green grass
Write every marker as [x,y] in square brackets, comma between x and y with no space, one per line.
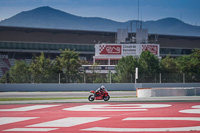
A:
[28,99]
[60,98]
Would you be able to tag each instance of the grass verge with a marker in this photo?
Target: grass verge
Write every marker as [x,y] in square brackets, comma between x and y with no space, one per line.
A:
[29,99]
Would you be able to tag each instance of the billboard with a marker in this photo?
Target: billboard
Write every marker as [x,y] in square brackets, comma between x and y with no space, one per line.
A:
[151,48]
[130,49]
[119,50]
[108,49]
[98,69]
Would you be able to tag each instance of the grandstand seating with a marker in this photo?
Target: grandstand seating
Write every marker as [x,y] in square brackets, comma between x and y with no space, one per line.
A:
[5,65]
[6,62]
[4,69]
[1,65]
[12,62]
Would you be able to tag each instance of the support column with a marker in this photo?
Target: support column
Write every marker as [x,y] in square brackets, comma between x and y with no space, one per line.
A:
[93,61]
[108,61]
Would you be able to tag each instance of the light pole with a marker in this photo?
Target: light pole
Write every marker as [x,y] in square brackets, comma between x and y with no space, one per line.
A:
[136,74]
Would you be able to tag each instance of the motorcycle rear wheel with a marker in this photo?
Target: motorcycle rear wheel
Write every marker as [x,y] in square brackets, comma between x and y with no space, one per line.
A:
[106,98]
[91,98]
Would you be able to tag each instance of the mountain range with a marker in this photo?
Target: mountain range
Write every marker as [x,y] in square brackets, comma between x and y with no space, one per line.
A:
[47,17]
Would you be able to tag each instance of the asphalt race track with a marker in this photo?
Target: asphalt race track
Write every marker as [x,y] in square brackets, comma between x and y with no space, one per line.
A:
[60,94]
[136,117]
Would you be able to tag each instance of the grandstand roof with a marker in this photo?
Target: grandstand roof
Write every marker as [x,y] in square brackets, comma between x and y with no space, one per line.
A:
[80,37]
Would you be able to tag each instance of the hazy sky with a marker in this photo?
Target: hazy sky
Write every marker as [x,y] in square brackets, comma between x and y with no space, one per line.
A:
[118,10]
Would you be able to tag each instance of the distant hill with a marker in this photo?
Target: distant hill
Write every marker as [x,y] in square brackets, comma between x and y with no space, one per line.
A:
[47,17]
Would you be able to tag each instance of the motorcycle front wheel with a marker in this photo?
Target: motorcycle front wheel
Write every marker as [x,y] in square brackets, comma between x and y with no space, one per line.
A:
[91,98]
[106,98]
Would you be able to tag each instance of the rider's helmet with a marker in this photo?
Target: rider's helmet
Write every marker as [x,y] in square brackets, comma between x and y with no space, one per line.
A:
[102,88]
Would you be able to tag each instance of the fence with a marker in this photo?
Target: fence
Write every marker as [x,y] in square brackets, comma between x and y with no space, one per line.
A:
[105,78]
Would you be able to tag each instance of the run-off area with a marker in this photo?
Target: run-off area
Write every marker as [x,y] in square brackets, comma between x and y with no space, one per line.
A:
[173,117]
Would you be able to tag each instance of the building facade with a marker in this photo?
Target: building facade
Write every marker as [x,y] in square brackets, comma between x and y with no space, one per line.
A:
[22,43]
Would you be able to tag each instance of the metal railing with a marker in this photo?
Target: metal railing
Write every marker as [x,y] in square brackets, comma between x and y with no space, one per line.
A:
[104,78]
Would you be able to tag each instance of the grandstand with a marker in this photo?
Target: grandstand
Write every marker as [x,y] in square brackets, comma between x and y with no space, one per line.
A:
[19,43]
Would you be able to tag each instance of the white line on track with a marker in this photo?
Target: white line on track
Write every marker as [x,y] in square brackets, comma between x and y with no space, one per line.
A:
[164,118]
[69,122]
[192,128]
[7,120]
[195,110]
[31,129]
[118,107]
[28,108]
[195,128]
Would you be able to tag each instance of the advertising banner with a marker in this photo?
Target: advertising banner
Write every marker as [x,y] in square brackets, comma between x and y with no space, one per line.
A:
[130,49]
[115,50]
[110,50]
[151,48]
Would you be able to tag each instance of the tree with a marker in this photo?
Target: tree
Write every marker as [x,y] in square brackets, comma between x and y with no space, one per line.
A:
[149,67]
[19,73]
[190,66]
[68,62]
[169,65]
[149,63]
[41,69]
[195,61]
[126,69]
[99,78]
[170,70]
[184,63]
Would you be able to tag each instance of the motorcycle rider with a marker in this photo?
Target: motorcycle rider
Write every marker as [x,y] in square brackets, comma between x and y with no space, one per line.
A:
[99,91]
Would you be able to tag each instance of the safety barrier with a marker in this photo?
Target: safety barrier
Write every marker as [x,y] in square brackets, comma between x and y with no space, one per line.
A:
[87,86]
[160,92]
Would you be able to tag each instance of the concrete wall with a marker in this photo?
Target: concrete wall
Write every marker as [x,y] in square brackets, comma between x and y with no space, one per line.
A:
[160,92]
[64,87]
[87,87]
[164,85]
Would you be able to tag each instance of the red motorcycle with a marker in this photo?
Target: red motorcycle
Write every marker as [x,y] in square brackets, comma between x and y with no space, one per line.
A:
[103,95]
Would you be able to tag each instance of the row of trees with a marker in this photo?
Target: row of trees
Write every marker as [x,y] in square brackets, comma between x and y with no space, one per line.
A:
[45,70]
[151,68]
